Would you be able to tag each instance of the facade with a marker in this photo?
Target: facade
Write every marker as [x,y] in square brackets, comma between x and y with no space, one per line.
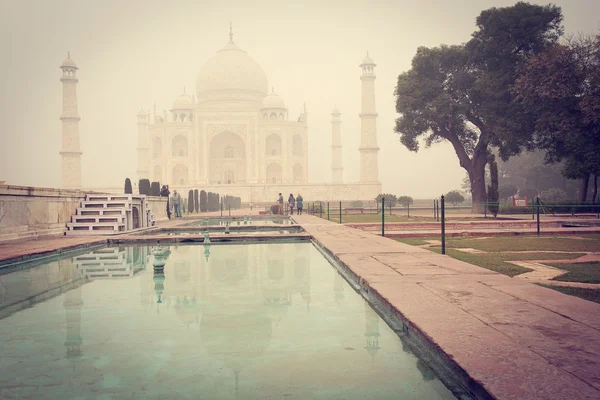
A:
[235,138]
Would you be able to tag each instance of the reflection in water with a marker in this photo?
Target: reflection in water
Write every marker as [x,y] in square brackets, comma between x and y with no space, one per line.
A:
[235,324]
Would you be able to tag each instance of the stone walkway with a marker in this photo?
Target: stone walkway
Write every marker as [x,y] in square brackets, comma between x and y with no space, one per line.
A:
[515,339]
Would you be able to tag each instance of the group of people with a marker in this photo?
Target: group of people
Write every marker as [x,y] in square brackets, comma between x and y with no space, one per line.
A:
[173,202]
[296,202]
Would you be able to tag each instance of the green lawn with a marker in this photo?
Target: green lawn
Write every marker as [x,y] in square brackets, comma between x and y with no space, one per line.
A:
[524,243]
[415,241]
[498,261]
[588,272]
[358,218]
[586,294]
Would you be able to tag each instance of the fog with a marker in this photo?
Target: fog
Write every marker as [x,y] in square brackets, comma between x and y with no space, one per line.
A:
[134,53]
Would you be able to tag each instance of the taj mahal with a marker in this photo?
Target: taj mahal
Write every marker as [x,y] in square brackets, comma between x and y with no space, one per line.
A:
[234,136]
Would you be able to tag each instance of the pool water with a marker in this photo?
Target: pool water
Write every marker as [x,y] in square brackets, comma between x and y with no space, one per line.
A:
[239,221]
[259,321]
[234,230]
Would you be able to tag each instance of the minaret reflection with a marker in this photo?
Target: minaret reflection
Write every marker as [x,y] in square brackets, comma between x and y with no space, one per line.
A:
[161,254]
[72,305]
[302,272]
[371,331]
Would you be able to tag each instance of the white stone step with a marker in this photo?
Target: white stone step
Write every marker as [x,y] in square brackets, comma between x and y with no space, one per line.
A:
[110,197]
[92,227]
[98,219]
[106,204]
[101,211]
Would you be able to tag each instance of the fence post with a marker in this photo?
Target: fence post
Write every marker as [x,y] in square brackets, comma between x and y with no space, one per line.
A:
[532,210]
[598,209]
[229,207]
[328,211]
[383,216]
[320,210]
[485,209]
[340,211]
[390,209]
[221,207]
[538,214]
[408,208]
[434,216]
[443,227]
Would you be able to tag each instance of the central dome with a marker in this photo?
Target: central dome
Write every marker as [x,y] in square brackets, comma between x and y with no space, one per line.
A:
[231,70]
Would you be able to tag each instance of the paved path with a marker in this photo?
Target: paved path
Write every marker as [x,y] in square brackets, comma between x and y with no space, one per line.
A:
[515,339]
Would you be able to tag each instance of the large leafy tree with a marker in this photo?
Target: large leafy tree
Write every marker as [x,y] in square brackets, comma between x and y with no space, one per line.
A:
[560,87]
[460,94]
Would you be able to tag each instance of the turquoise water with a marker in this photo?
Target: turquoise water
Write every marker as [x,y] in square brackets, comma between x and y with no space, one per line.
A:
[260,321]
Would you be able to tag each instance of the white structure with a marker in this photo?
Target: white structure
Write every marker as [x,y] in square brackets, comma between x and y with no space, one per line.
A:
[337,171]
[70,152]
[369,165]
[236,139]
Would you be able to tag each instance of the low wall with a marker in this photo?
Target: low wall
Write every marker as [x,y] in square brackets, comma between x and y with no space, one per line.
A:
[158,206]
[30,212]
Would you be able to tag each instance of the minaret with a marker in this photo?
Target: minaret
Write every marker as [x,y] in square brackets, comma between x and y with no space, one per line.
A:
[70,152]
[371,331]
[369,168]
[143,169]
[337,171]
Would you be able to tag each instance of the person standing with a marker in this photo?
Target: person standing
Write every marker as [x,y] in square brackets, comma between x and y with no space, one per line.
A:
[299,203]
[291,203]
[164,192]
[280,201]
[177,203]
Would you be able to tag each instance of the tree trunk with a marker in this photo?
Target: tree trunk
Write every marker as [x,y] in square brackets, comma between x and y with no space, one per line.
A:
[583,190]
[595,188]
[477,177]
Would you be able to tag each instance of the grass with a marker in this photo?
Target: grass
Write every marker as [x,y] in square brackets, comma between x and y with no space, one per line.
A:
[499,261]
[588,272]
[586,294]
[415,241]
[526,243]
[374,218]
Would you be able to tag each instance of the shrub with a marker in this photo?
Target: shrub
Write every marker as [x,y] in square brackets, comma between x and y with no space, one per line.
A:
[356,203]
[190,201]
[405,200]
[390,199]
[128,188]
[144,186]
[196,202]
[554,194]
[493,189]
[155,189]
[203,201]
[454,197]
[506,191]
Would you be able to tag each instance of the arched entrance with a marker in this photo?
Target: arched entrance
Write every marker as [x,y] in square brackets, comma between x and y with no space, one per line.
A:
[274,173]
[180,175]
[227,159]
[135,216]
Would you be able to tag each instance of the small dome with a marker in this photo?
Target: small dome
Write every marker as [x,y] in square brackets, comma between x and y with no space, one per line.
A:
[183,102]
[335,111]
[368,60]
[273,100]
[68,62]
[142,113]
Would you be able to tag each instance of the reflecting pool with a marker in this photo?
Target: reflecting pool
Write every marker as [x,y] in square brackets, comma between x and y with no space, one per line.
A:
[241,221]
[259,321]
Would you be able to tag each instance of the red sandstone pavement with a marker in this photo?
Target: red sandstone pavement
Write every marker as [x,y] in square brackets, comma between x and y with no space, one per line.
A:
[516,339]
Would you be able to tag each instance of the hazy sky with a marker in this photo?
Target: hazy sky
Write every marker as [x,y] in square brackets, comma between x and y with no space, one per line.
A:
[132,53]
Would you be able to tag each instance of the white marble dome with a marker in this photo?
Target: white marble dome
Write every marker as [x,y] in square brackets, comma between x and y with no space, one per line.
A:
[232,69]
[183,102]
[273,100]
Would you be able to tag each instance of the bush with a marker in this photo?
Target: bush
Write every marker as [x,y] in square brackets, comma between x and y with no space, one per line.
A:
[405,200]
[196,202]
[128,188]
[390,199]
[144,186]
[356,203]
[190,201]
[203,201]
[155,189]
[454,197]
[554,195]
[506,191]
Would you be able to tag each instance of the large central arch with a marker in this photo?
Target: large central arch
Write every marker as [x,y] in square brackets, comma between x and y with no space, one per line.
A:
[227,159]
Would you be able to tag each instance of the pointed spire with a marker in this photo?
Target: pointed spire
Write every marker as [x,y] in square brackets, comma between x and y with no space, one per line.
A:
[272,89]
[68,54]
[230,32]
[183,89]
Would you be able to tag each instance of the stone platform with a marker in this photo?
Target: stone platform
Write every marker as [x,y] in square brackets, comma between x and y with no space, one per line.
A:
[491,333]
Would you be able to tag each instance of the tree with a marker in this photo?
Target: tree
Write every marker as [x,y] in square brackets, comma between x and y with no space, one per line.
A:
[128,188]
[560,87]
[144,186]
[555,195]
[506,191]
[405,200]
[196,202]
[190,201]
[155,189]
[390,199]
[454,197]
[203,201]
[461,93]
[493,194]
